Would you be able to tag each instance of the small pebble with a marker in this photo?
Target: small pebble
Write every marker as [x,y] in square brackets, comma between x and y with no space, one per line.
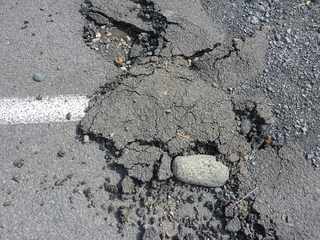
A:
[234,157]
[120,60]
[254,20]
[86,139]
[39,77]
[68,116]
[7,204]
[190,199]
[61,153]
[18,163]
[39,97]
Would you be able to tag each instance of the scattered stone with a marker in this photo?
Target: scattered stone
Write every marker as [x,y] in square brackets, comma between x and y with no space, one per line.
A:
[86,139]
[224,237]
[39,77]
[169,228]
[39,97]
[61,153]
[62,181]
[110,188]
[202,170]
[140,212]
[16,179]
[233,225]
[268,140]
[237,43]
[136,51]
[151,233]
[234,157]
[215,224]
[127,185]
[229,211]
[245,126]
[209,205]
[68,116]
[18,163]
[110,208]
[7,204]
[120,60]
[88,193]
[123,214]
[190,199]
[254,20]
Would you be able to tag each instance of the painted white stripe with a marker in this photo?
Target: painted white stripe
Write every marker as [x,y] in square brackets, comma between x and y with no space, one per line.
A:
[48,109]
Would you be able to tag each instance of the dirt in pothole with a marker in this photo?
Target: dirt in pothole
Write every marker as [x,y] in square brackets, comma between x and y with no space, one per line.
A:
[174,97]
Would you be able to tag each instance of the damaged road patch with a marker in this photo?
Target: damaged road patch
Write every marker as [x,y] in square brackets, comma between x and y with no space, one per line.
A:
[171,110]
[167,105]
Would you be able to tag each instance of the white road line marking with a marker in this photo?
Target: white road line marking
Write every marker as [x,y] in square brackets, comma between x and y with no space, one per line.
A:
[48,109]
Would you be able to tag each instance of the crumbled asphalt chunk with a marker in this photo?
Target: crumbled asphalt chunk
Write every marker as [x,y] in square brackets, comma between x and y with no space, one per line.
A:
[203,170]
[264,111]
[199,114]
[123,214]
[124,12]
[245,126]
[256,119]
[39,77]
[111,188]
[229,67]
[229,211]
[127,185]
[164,171]
[187,29]
[139,160]
[192,31]
[234,157]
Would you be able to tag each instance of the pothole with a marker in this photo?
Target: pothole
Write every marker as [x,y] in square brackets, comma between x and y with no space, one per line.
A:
[161,108]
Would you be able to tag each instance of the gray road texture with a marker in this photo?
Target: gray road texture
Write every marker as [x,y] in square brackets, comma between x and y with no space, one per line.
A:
[46,37]
[262,57]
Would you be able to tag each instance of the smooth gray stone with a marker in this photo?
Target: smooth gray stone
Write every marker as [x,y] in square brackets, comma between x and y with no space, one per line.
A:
[202,170]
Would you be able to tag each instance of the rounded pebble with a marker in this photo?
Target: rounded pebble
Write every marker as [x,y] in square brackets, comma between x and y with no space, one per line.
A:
[39,77]
[202,170]
[86,139]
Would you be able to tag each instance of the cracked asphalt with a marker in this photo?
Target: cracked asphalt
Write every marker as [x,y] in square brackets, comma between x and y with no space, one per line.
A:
[235,79]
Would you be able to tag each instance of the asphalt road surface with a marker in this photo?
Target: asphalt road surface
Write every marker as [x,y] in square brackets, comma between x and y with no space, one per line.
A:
[50,44]
[97,98]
